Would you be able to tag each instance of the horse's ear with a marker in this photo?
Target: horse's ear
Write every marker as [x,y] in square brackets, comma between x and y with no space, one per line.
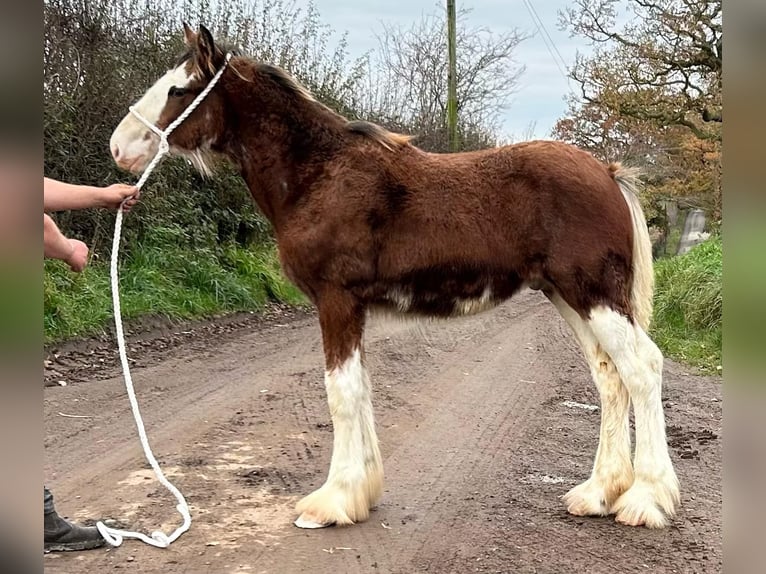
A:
[190,37]
[210,56]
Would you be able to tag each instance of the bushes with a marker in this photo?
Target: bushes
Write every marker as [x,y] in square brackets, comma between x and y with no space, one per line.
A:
[688,305]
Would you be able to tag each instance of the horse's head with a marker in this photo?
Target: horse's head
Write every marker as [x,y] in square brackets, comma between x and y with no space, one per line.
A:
[134,145]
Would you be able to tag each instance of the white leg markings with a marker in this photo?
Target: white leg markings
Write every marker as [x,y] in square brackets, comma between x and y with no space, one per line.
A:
[355,479]
[655,492]
[612,470]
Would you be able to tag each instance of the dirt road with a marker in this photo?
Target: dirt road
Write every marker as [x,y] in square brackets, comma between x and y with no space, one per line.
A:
[484,422]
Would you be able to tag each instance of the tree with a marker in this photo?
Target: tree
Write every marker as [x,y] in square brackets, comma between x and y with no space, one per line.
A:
[663,65]
[650,94]
[452,75]
[410,88]
[678,166]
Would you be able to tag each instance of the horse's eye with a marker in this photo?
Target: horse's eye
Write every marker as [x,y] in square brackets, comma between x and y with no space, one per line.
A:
[176,92]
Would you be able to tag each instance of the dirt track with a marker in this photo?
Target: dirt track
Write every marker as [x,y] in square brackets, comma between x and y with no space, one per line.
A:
[477,438]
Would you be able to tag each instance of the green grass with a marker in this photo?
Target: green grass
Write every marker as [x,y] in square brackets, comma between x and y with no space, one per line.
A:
[674,239]
[688,303]
[166,281]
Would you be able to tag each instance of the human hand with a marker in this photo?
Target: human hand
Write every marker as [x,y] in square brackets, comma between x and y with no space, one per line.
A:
[111,197]
[78,259]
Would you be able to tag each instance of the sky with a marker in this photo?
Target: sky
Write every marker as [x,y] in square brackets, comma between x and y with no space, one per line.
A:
[540,97]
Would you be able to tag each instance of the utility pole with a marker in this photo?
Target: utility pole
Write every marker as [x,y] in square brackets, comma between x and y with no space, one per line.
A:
[452,77]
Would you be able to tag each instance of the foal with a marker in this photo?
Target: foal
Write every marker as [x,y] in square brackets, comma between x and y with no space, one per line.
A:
[365,221]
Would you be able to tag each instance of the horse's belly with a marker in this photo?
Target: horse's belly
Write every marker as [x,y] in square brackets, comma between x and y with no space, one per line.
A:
[402,301]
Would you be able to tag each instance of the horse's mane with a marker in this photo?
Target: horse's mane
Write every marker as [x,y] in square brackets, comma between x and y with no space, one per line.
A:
[284,80]
[389,140]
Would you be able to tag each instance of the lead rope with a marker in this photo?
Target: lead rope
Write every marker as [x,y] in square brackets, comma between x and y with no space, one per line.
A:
[158,538]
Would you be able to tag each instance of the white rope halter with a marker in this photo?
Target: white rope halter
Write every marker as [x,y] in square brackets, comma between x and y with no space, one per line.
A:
[112,535]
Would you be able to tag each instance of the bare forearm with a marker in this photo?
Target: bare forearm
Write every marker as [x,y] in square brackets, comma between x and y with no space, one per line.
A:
[60,196]
[56,245]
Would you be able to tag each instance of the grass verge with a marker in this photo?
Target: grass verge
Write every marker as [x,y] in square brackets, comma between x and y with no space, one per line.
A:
[688,306]
[167,281]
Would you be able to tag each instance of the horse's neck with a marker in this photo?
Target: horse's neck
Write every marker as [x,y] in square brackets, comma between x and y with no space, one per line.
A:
[279,160]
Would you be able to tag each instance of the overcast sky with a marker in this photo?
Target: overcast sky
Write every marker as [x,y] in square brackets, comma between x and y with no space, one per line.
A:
[540,96]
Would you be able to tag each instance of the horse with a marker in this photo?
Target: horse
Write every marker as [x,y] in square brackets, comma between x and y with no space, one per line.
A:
[366,222]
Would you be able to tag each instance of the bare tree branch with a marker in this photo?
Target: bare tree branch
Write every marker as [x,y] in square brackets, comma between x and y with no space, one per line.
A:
[413,69]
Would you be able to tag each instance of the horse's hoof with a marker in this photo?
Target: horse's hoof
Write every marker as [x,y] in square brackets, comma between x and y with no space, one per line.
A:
[302,522]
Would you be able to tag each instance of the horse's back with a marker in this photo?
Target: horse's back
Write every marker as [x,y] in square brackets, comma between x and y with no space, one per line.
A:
[508,203]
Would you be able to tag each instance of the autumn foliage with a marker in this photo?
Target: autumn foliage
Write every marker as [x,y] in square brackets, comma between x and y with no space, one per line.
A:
[650,95]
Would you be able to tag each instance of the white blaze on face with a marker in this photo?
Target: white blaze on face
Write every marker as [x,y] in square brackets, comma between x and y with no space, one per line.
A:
[132,144]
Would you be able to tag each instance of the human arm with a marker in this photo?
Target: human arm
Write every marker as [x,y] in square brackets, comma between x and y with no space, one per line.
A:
[59,196]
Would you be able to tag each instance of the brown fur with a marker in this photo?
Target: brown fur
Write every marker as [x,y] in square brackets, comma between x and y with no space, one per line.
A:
[360,219]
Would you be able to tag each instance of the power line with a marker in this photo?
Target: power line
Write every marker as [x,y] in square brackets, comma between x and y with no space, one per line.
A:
[547,40]
[532,7]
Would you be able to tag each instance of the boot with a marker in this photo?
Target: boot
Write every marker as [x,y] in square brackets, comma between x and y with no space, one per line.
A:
[63,536]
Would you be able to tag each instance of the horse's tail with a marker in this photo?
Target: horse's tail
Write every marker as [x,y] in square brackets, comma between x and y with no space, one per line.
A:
[642,290]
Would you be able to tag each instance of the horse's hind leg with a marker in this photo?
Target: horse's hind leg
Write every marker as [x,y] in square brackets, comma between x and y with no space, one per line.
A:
[655,492]
[612,470]
[355,479]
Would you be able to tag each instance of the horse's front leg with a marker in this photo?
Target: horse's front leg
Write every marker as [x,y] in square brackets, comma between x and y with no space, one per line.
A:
[355,480]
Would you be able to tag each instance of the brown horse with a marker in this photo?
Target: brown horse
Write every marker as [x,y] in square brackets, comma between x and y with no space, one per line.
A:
[367,222]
